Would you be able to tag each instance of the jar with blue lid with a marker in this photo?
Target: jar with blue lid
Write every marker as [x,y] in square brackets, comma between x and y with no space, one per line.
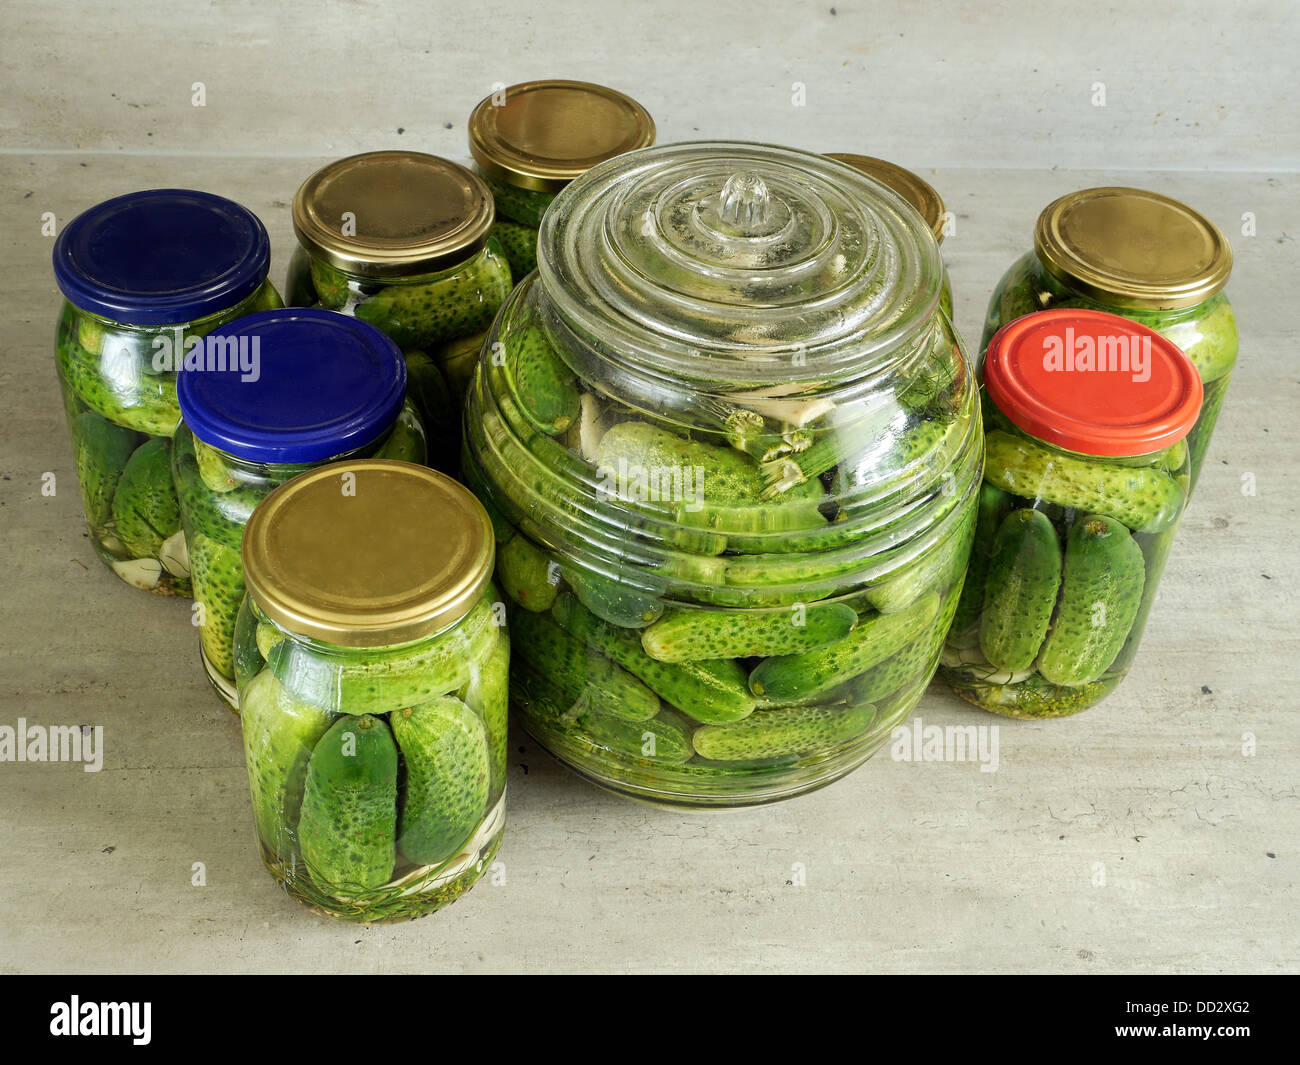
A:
[300,388]
[145,278]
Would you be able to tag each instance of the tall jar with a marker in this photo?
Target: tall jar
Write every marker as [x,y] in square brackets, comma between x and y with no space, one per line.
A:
[1087,470]
[731,448]
[916,191]
[321,387]
[1141,255]
[401,240]
[145,277]
[530,140]
[373,668]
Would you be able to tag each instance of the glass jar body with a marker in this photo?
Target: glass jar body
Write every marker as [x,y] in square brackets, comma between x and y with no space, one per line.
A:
[1068,553]
[715,649]
[377,774]
[217,493]
[118,383]
[1206,332]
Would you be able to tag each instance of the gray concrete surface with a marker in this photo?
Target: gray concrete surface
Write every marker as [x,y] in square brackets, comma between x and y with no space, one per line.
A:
[1157,832]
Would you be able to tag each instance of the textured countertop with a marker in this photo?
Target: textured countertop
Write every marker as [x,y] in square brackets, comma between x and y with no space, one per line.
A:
[1158,831]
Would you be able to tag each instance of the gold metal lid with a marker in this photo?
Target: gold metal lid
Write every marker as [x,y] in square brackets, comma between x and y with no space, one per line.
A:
[368,553]
[540,135]
[915,190]
[1132,248]
[392,214]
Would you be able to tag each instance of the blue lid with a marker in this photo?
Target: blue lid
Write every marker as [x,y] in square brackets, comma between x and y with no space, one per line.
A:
[319,383]
[161,257]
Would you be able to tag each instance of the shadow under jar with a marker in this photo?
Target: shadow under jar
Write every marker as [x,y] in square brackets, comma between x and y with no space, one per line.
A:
[530,140]
[146,277]
[373,668]
[1086,474]
[731,449]
[1142,255]
[402,240]
[326,387]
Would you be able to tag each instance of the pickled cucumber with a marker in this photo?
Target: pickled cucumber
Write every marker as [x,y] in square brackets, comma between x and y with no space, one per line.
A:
[427,392]
[448,778]
[114,385]
[1023,578]
[348,827]
[993,506]
[519,245]
[527,575]
[616,603]
[691,635]
[487,693]
[213,470]
[1145,499]
[772,733]
[217,576]
[101,450]
[145,508]
[1100,595]
[545,388]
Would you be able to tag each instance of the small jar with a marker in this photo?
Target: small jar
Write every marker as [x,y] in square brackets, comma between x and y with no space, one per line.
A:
[731,448]
[916,191]
[1086,473]
[532,139]
[1141,255]
[322,387]
[145,277]
[401,240]
[373,664]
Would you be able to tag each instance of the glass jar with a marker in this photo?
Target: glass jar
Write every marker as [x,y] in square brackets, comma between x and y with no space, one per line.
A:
[1086,474]
[373,667]
[731,449]
[532,139]
[244,434]
[916,191]
[145,277]
[401,240]
[1141,255]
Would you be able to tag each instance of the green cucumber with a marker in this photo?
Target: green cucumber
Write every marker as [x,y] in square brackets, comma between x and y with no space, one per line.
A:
[525,206]
[220,516]
[217,577]
[406,442]
[519,244]
[874,640]
[280,733]
[145,508]
[1144,499]
[619,604]
[664,738]
[544,387]
[911,666]
[579,670]
[527,574]
[213,470]
[937,569]
[438,413]
[691,635]
[1024,577]
[448,759]
[794,730]
[457,360]
[712,692]
[487,693]
[101,450]
[116,387]
[348,828]
[993,506]
[331,285]
[1100,595]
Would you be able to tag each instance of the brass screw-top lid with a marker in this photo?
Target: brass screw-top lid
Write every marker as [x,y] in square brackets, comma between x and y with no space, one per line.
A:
[540,135]
[368,553]
[1132,248]
[915,190]
[393,214]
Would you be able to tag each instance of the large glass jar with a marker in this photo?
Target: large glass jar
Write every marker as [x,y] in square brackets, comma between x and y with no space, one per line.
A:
[146,277]
[373,667]
[1086,474]
[731,449]
[916,191]
[324,386]
[401,240]
[532,139]
[1141,255]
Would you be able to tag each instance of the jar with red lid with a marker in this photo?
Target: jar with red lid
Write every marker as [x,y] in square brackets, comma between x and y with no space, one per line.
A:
[1086,474]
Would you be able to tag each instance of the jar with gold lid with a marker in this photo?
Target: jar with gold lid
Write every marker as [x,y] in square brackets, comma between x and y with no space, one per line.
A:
[916,191]
[403,241]
[1141,255]
[372,665]
[530,140]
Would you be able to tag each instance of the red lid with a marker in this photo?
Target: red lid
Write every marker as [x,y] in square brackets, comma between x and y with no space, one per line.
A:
[1092,382]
